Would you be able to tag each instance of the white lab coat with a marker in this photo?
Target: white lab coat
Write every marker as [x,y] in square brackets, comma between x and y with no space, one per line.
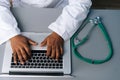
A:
[74,12]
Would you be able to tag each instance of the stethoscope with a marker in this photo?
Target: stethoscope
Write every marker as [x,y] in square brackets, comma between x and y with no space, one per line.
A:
[96,23]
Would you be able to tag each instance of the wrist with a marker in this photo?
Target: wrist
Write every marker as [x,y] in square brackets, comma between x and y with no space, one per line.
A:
[55,34]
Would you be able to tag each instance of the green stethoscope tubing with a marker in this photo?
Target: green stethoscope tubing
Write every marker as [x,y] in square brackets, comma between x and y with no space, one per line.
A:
[107,38]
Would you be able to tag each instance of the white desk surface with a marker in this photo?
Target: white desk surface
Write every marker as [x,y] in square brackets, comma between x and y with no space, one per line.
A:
[82,70]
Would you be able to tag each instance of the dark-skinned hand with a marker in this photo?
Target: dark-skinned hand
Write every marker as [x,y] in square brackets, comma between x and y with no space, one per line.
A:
[21,48]
[54,44]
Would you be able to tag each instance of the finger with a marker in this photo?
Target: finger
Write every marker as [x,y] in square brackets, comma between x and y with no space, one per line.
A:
[53,52]
[48,51]
[57,53]
[31,42]
[27,50]
[61,50]
[44,42]
[23,53]
[15,57]
[20,57]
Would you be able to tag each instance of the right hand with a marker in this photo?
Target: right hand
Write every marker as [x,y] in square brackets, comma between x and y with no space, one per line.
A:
[21,48]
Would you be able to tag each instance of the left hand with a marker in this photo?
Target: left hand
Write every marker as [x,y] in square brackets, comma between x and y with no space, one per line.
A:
[54,44]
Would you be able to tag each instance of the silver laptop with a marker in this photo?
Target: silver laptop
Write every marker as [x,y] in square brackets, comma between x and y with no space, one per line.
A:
[39,63]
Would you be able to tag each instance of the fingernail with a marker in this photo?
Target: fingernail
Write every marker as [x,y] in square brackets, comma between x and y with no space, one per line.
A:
[22,62]
[56,59]
[26,61]
[15,62]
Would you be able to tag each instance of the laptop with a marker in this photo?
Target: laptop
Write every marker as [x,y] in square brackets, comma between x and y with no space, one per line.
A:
[39,63]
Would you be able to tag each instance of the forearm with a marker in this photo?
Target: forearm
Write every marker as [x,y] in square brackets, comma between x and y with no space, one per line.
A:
[71,18]
[8,24]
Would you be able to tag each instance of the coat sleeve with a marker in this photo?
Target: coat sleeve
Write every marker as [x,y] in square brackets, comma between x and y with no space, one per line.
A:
[71,18]
[8,24]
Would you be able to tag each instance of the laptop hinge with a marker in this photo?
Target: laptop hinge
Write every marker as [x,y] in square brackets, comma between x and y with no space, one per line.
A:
[38,73]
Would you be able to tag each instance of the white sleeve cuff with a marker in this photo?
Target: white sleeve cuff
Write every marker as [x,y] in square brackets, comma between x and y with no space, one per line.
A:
[5,36]
[54,27]
[71,18]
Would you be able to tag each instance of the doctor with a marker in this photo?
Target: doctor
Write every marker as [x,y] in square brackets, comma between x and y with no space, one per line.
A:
[74,12]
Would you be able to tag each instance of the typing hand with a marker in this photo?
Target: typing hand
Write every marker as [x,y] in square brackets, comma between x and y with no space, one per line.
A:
[21,48]
[54,45]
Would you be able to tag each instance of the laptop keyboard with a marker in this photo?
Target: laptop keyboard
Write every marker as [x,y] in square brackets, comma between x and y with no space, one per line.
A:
[39,60]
